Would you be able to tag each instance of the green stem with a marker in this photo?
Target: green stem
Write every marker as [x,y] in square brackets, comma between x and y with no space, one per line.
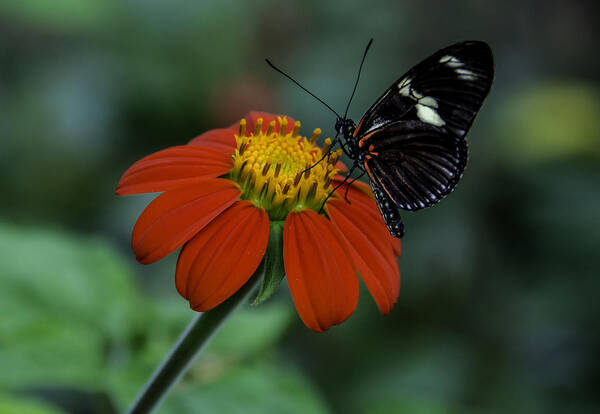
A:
[193,339]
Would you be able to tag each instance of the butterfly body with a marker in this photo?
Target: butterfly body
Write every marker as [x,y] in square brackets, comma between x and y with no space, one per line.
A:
[411,142]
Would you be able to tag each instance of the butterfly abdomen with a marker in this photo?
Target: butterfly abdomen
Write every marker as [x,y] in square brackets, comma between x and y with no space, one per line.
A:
[389,212]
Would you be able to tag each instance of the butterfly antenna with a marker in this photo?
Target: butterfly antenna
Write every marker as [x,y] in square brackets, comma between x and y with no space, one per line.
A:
[358,77]
[302,87]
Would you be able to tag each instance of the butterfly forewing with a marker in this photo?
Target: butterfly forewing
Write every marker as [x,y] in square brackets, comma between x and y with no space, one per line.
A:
[412,139]
[458,77]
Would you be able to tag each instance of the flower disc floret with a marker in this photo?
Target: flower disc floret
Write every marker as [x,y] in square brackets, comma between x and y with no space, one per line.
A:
[279,171]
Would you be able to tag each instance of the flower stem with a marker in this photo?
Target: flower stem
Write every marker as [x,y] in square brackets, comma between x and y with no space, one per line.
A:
[192,340]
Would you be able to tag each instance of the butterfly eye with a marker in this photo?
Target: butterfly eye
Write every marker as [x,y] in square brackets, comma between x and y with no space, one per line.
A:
[339,126]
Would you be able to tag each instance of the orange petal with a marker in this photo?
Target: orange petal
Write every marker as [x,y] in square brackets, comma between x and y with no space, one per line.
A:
[252,116]
[396,246]
[370,251]
[319,271]
[341,166]
[222,256]
[177,215]
[222,139]
[358,187]
[173,167]
[361,196]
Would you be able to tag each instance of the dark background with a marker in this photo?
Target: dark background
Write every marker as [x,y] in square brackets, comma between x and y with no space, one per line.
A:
[498,310]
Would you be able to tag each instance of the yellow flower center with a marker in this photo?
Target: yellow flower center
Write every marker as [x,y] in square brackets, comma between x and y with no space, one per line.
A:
[279,172]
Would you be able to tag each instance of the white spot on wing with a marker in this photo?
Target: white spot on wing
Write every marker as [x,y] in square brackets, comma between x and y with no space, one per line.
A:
[428,101]
[404,86]
[429,115]
[466,74]
[405,90]
[426,105]
[416,94]
[404,82]
[451,61]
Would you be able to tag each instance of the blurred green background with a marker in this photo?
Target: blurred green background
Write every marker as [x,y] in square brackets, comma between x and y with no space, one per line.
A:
[498,310]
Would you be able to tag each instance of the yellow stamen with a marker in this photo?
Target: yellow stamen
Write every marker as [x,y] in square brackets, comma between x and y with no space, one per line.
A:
[266,168]
[283,122]
[315,135]
[333,159]
[327,145]
[296,128]
[258,127]
[272,168]
[297,178]
[307,172]
[242,147]
[242,130]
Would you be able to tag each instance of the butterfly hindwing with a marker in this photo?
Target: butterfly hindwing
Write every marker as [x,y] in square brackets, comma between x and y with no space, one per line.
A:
[412,139]
[417,165]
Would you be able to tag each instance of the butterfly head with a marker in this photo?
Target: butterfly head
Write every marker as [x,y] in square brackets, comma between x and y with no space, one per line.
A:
[345,127]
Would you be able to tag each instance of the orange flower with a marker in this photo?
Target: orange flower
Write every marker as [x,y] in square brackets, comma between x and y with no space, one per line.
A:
[223,190]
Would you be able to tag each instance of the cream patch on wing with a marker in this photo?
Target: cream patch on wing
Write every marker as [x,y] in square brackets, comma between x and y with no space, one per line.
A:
[426,106]
[426,111]
[451,61]
[404,87]
[466,74]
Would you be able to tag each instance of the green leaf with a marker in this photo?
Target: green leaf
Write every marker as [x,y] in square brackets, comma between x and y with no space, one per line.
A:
[22,405]
[250,333]
[250,330]
[262,387]
[72,307]
[77,322]
[274,270]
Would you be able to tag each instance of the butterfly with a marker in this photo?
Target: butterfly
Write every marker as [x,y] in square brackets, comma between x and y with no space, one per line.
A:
[411,141]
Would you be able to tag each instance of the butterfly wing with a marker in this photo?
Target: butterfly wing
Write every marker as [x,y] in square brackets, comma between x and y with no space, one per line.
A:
[415,164]
[412,138]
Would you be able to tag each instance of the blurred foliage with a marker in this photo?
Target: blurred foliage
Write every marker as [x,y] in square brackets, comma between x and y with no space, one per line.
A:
[550,121]
[78,324]
[61,14]
[16,405]
[497,311]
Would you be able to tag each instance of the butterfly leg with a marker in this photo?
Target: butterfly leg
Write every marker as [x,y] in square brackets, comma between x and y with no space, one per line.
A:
[350,183]
[346,150]
[327,153]
[338,186]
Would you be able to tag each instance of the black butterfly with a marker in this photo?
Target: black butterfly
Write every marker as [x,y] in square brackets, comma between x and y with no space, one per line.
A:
[411,141]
